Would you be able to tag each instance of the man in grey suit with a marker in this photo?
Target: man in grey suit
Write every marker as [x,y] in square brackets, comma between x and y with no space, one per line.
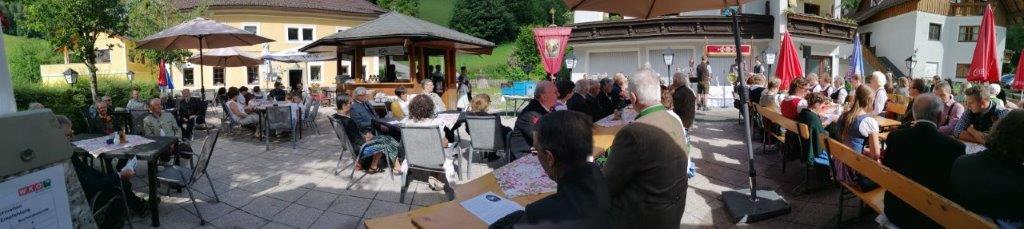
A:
[646,167]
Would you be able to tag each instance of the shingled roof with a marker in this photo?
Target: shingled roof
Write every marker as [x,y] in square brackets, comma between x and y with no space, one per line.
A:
[346,6]
[394,25]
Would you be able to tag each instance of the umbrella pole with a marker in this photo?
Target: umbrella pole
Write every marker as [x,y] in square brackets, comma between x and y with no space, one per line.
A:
[202,74]
[750,205]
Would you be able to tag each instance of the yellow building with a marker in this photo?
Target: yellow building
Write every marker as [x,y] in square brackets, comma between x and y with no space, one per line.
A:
[291,24]
[112,60]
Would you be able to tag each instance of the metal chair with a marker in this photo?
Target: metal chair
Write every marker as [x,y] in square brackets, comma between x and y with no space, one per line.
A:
[182,177]
[280,118]
[347,148]
[310,117]
[200,121]
[486,136]
[137,123]
[227,121]
[424,152]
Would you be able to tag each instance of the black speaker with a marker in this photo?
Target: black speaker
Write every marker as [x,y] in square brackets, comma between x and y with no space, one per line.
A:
[807,51]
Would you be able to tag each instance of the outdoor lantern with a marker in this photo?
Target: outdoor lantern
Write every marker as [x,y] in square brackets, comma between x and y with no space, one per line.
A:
[570,61]
[668,56]
[911,62]
[130,74]
[71,76]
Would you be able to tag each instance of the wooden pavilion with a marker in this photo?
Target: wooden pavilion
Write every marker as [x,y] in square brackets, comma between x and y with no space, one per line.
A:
[400,37]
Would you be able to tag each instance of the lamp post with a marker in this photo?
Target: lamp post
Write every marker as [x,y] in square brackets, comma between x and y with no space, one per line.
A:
[570,62]
[130,74]
[70,76]
[911,62]
[668,56]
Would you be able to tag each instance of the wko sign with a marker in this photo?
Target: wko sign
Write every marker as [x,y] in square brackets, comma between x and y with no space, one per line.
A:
[725,50]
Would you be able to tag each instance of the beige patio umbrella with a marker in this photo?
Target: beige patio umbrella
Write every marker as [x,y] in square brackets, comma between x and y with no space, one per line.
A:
[200,33]
[744,205]
[226,57]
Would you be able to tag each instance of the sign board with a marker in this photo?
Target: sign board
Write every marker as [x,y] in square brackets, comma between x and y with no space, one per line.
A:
[385,51]
[725,50]
[36,200]
[769,58]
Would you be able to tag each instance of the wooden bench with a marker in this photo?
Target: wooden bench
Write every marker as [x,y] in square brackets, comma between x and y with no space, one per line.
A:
[938,208]
[788,125]
[899,109]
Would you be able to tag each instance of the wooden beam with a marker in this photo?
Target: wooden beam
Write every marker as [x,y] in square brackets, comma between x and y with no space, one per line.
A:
[450,93]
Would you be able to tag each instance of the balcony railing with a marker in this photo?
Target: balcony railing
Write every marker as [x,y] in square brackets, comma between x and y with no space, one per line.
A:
[813,26]
[693,27]
[967,9]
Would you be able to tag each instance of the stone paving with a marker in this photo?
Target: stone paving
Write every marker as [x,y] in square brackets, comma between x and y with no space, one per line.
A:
[297,188]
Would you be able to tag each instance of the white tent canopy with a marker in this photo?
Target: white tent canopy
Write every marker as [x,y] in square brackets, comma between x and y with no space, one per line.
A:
[293,55]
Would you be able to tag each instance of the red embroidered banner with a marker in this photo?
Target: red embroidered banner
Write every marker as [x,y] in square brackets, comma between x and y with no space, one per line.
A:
[551,46]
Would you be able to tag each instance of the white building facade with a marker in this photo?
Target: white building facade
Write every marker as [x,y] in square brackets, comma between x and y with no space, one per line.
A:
[605,47]
[941,41]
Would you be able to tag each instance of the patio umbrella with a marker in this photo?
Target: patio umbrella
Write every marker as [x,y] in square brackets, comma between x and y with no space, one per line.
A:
[789,63]
[749,205]
[226,57]
[200,33]
[984,65]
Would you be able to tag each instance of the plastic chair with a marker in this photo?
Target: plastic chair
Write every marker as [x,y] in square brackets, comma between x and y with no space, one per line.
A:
[486,136]
[424,152]
[279,118]
[178,177]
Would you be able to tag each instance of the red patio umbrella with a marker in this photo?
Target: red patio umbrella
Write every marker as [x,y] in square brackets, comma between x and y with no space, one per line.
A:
[984,65]
[1018,79]
[789,63]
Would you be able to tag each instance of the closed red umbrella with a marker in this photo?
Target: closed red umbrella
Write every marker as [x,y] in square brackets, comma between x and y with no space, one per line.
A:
[789,63]
[984,65]
[1018,79]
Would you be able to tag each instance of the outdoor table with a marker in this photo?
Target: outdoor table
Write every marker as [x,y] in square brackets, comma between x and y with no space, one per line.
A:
[261,110]
[884,122]
[451,214]
[515,101]
[149,152]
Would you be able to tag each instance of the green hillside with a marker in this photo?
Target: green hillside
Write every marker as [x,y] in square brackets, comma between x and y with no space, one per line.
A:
[437,11]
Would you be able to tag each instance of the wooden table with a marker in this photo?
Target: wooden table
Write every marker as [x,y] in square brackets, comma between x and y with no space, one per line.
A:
[886,122]
[149,152]
[452,215]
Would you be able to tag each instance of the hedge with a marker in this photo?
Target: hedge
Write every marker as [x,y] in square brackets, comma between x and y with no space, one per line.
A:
[73,100]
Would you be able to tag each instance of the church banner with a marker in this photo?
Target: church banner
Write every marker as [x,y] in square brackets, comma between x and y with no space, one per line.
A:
[551,45]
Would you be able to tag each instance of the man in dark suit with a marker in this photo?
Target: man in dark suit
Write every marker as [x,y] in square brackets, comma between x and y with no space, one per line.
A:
[362,111]
[278,92]
[605,97]
[924,155]
[684,100]
[189,108]
[647,162]
[563,144]
[597,112]
[543,102]
[578,102]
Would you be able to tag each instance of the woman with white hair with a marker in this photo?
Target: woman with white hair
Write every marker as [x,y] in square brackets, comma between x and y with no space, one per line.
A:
[993,92]
[876,81]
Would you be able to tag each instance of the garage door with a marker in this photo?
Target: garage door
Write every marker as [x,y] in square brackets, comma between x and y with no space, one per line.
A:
[612,62]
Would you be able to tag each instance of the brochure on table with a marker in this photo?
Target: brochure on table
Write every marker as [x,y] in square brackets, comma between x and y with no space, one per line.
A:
[490,207]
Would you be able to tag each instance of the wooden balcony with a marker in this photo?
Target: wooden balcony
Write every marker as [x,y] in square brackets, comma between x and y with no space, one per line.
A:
[967,9]
[675,27]
[816,27]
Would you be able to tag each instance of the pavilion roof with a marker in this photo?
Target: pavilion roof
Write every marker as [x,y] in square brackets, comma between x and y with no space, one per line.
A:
[395,28]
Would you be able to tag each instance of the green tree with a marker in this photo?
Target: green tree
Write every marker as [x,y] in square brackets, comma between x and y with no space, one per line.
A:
[13,15]
[25,55]
[148,17]
[76,24]
[487,19]
[537,12]
[407,7]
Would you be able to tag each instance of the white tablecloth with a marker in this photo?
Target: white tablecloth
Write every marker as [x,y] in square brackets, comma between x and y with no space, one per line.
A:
[97,146]
[628,116]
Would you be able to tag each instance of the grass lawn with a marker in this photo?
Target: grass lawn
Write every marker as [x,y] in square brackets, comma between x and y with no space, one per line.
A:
[437,11]
[476,63]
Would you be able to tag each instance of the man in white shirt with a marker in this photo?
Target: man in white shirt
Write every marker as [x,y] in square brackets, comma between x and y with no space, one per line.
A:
[876,81]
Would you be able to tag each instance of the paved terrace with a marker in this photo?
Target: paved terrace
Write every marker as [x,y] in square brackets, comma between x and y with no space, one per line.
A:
[296,188]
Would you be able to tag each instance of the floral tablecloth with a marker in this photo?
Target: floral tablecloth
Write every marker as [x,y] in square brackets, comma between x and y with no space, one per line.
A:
[524,177]
[974,148]
[97,146]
